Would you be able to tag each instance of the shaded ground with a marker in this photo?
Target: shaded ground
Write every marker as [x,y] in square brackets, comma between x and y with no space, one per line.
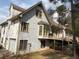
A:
[4,52]
[47,54]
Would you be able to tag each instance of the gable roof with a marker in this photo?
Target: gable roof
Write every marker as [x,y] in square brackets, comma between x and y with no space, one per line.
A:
[17,7]
[51,22]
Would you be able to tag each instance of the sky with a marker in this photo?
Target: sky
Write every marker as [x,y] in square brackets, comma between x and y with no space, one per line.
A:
[5,5]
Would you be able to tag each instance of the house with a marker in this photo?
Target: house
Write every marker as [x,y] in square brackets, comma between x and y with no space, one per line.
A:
[29,30]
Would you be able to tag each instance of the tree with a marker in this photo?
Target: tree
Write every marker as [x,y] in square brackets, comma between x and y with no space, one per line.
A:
[62,12]
[76,16]
[61,9]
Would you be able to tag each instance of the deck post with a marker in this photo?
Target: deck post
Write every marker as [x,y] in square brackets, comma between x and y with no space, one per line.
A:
[54,43]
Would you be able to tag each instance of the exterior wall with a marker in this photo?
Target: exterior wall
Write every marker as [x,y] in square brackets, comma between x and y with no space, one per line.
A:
[15,12]
[33,32]
[13,30]
[4,34]
[13,37]
[9,33]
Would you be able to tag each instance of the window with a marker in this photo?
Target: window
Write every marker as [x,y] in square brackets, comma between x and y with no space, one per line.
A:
[4,31]
[2,40]
[38,13]
[14,21]
[23,45]
[40,30]
[24,26]
[45,30]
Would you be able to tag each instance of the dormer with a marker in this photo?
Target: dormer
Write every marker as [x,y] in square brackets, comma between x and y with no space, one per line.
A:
[15,10]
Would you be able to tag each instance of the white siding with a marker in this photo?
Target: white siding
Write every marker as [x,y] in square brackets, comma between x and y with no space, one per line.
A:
[13,30]
[33,32]
[4,34]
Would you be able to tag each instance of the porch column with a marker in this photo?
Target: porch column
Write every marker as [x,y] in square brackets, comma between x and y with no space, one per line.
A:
[63,37]
[54,43]
[68,40]
[42,30]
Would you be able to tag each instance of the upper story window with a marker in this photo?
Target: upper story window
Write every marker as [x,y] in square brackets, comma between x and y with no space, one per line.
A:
[43,30]
[40,30]
[14,21]
[4,31]
[24,26]
[38,13]
[2,40]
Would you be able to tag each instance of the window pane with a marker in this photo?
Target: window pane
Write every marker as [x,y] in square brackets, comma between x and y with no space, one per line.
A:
[40,30]
[2,40]
[45,30]
[27,26]
[38,13]
[24,26]
[23,45]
